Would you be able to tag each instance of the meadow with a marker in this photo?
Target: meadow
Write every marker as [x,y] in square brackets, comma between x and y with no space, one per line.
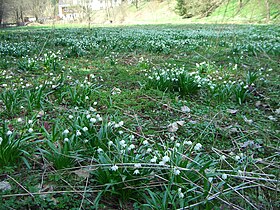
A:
[140,117]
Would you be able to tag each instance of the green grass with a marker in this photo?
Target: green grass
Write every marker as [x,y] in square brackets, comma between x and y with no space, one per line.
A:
[140,117]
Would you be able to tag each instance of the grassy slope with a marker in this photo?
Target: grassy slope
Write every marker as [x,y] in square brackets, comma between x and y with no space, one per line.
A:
[164,12]
[252,11]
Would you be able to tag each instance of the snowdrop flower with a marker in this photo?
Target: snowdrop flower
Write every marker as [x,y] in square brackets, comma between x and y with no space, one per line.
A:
[172,138]
[181,195]
[19,120]
[85,129]
[30,121]
[78,133]
[210,179]
[177,144]
[66,139]
[189,143]
[114,168]
[86,140]
[271,118]
[223,157]
[145,142]
[154,159]
[9,133]
[120,132]
[70,116]
[86,97]
[30,130]
[197,147]
[99,150]
[88,116]
[149,150]
[121,123]
[165,159]
[122,143]
[92,109]
[136,172]
[92,120]
[137,165]
[65,132]
[1,140]
[132,146]
[99,118]
[95,103]
[176,171]
[237,158]
[110,143]
[224,176]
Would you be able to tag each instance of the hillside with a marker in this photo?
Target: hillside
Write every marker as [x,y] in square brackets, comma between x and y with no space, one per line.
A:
[253,11]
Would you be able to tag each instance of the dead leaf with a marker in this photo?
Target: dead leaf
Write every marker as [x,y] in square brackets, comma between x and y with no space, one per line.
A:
[232,111]
[5,186]
[173,127]
[185,109]
[40,114]
[83,173]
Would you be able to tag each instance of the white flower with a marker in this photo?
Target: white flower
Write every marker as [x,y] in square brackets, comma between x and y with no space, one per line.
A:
[19,120]
[30,130]
[76,108]
[198,146]
[88,116]
[99,118]
[99,150]
[181,195]
[132,146]
[121,123]
[120,132]
[92,109]
[114,168]
[210,179]
[30,121]
[172,138]
[66,139]
[93,120]
[176,171]
[86,97]
[223,157]
[237,158]
[154,159]
[224,176]
[95,103]
[189,143]
[145,142]
[149,150]
[9,133]
[165,159]
[110,143]
[1,140]
[78,133]
[277,111]
[122,143]
[85,129]
[272,118]
[70,116]
[136,172]
[86,140]
[65,132]
[177,144]
[137,165]
[161,163]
